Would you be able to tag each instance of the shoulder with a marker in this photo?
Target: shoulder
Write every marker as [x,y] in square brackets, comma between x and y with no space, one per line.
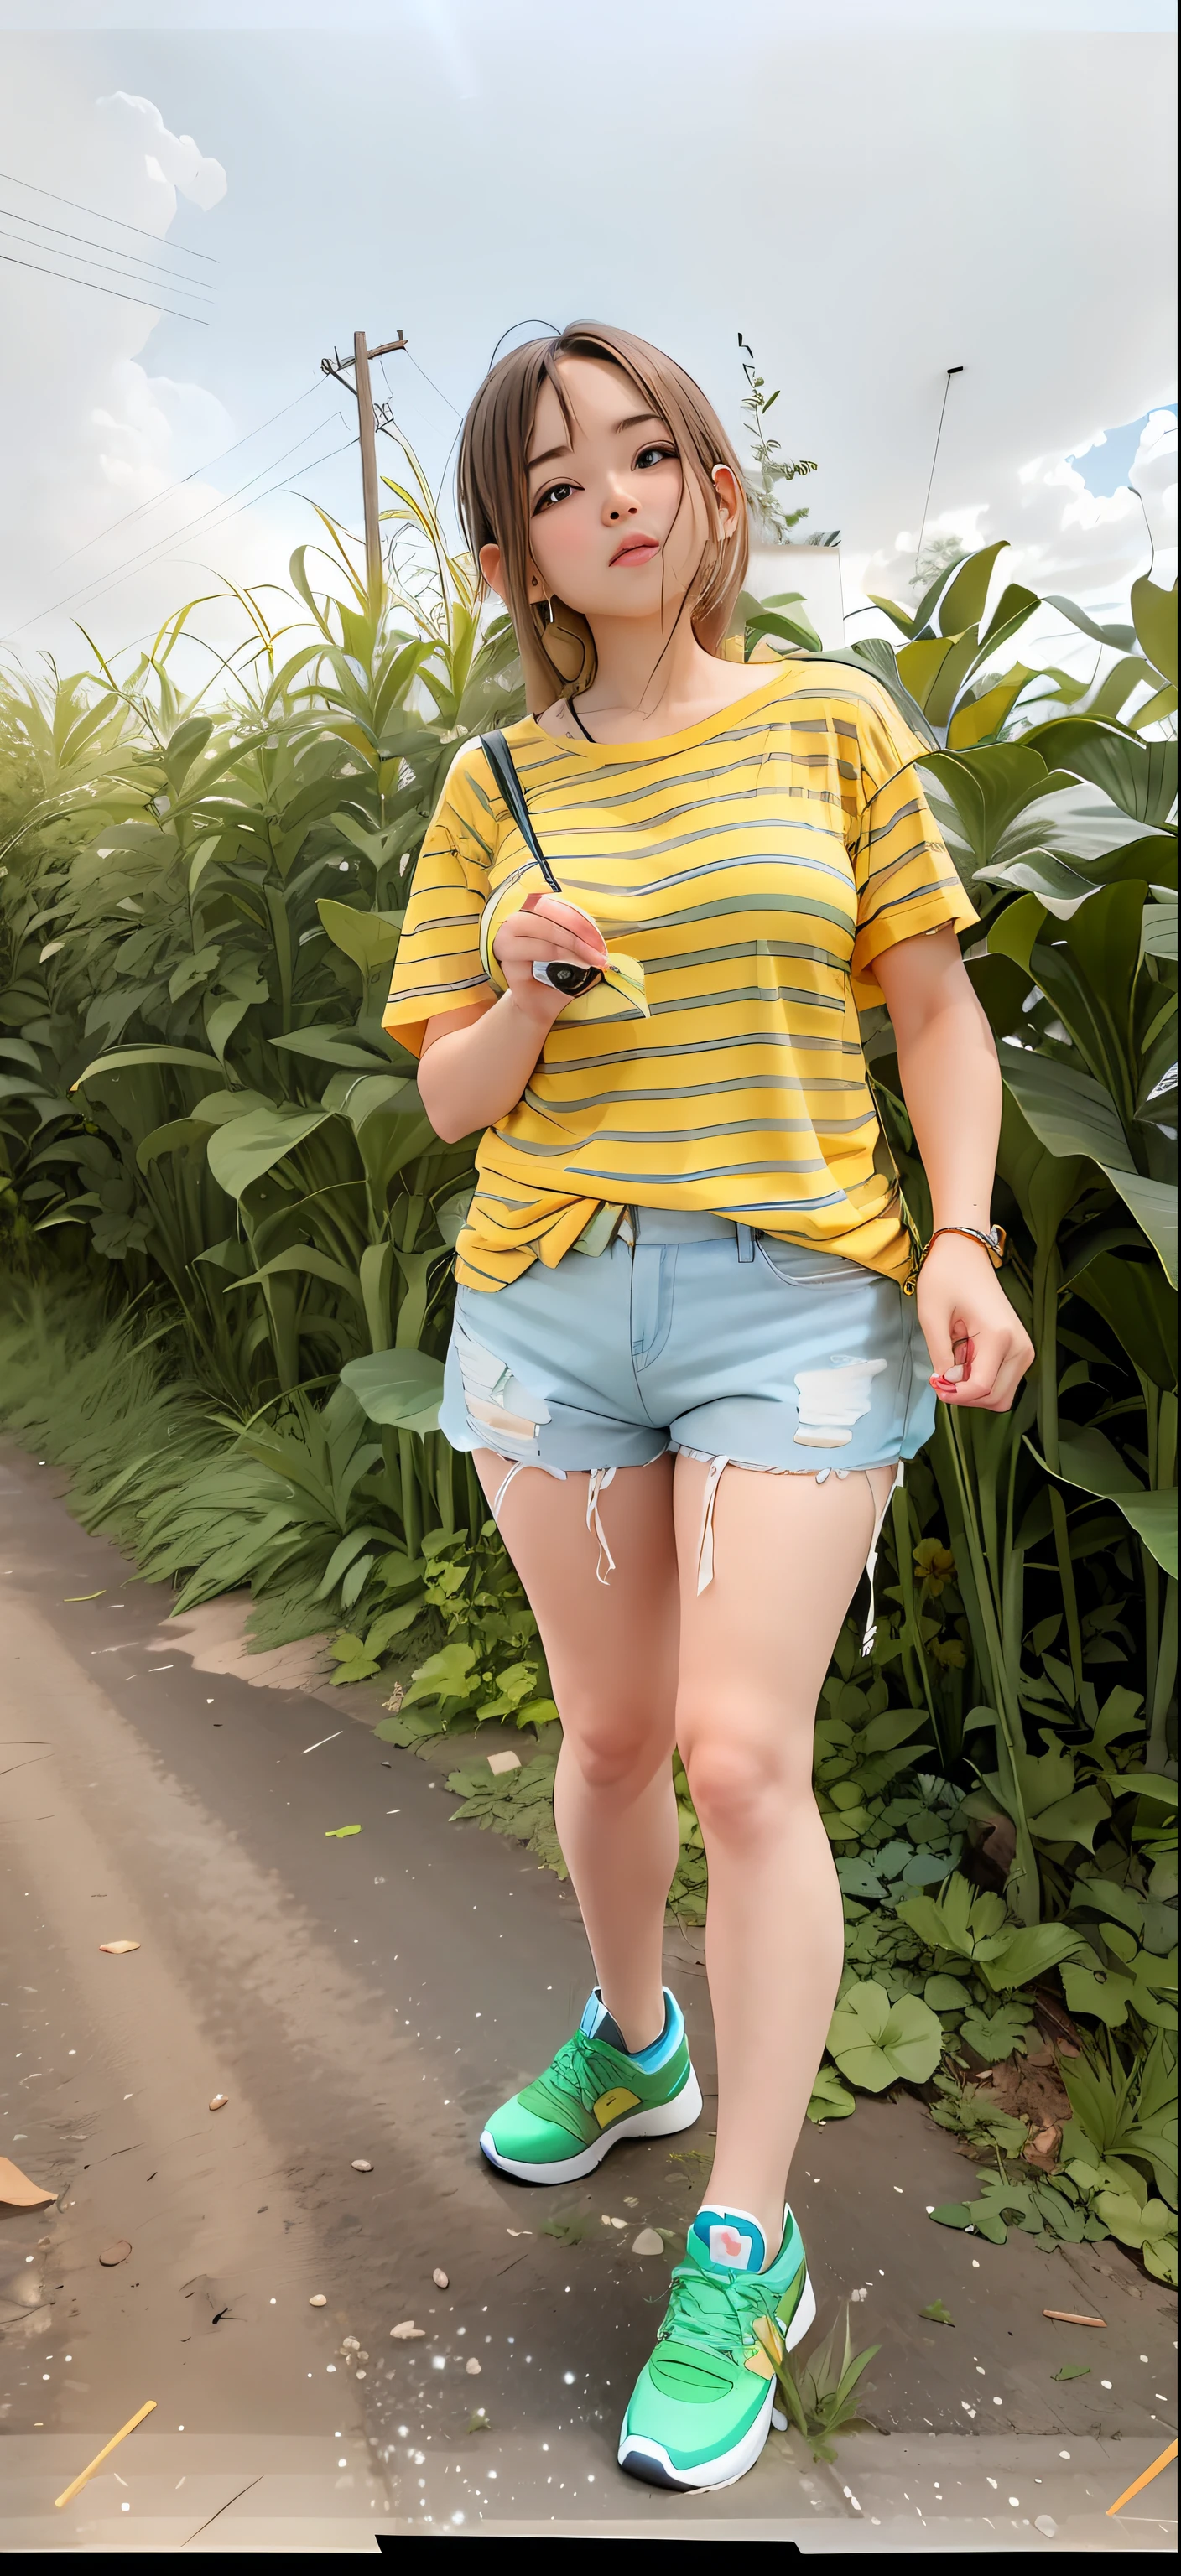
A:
[859,705]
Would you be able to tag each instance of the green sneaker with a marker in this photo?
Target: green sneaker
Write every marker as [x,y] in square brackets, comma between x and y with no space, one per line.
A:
[701,2410]
[593,2093]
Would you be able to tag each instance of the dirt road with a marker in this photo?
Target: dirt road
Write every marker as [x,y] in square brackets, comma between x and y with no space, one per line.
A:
[360,2002]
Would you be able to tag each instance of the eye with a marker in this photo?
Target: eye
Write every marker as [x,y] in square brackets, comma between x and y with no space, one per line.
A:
[657,454]
[553,492]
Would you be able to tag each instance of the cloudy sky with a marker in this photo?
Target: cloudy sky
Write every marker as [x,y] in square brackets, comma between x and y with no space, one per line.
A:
[191,215]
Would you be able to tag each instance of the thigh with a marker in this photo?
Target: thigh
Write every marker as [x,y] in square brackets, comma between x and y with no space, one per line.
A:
[611,1645]
[757,1642]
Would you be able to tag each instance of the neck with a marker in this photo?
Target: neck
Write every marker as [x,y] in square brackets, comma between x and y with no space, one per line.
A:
[641,667]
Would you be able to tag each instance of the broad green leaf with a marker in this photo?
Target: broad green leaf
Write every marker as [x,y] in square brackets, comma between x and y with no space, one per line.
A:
[124,1058]
[1135,1299]
[169,1140]
[451,1674]
[830,2100]
[1120,638]
[1155,614]
[1072,1114]
[1160,931]
[401,1387]
[304,1259]
[995,2035]
[1087,1458]
[963,602]
[369,938]
[1025,1955]
[876,2043]
[1139,777]
[246,1148]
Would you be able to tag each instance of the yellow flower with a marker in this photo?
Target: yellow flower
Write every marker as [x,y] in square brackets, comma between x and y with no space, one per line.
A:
[949,1652]
[934,1564]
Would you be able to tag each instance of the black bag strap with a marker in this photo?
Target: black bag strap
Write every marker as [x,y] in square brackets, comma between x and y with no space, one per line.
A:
[500,762]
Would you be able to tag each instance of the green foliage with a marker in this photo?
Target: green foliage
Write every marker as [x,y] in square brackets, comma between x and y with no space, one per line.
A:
[818,2395]
[771,467]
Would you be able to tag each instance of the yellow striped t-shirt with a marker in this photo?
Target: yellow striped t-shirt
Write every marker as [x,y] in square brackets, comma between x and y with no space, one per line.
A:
[756,866]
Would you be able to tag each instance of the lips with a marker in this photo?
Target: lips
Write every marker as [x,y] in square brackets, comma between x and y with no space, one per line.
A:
[635,550]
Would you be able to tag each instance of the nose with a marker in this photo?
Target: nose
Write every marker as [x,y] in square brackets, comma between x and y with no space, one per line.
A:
[618,504]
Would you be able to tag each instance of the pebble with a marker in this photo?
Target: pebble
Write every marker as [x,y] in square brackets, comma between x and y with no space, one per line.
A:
[218,2101]
[647,2242]
[117,2253]
[317,2300]
[361,2164]
[440,2280]
[472,2367]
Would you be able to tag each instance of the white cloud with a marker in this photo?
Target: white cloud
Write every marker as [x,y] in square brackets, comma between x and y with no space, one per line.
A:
[174,161]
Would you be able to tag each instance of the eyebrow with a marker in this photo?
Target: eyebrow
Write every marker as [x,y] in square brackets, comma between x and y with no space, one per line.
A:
[635,420]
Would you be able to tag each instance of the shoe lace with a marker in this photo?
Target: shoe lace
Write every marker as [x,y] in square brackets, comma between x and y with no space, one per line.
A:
[715,2312]
[582,2069]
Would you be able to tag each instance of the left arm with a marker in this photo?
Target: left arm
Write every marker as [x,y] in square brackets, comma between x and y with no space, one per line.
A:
[951,1083]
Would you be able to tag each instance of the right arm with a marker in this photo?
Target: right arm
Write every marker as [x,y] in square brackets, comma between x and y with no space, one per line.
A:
[476,1062]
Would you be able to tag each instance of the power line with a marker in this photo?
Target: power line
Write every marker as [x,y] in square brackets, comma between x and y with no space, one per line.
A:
[96,211]
[178,486]
[285,484]
[225,500]
[428,380]
[152,303]
[105,264]
[951,371]
[10,215]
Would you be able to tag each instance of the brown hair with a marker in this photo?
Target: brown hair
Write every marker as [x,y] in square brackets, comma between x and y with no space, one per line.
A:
[556,645]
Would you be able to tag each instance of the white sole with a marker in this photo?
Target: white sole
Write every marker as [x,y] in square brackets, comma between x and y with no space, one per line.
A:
[650,2461]
[661,2120]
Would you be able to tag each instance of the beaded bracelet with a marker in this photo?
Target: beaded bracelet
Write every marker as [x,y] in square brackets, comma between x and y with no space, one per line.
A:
[993,1242]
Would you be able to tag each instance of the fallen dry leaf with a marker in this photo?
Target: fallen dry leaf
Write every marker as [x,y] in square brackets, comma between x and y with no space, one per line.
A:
[504,1761]
[1067,2317]
[440,2280]
[361,2164]
[16,2190]
[117,2253]
[218,2101]
[118,1949]
[407,2331]
[317,2300]
[631,2202]
[647,2242]
[472,2367]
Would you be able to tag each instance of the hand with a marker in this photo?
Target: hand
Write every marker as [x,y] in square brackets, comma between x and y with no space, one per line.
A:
[544,931]
[979,1348]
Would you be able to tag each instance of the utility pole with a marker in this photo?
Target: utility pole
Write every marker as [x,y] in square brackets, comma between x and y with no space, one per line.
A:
[359,362]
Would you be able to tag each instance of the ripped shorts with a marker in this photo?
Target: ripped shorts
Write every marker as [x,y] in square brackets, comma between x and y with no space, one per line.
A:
[694,1334]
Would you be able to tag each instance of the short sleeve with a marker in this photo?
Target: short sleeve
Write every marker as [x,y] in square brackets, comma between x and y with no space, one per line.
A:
[438,965]
[906,882]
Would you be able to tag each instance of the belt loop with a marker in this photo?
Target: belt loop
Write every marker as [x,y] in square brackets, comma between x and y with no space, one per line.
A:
[746,1243]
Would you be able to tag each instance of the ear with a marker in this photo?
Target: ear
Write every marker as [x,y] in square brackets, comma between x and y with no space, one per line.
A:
[490,568]
[728,500]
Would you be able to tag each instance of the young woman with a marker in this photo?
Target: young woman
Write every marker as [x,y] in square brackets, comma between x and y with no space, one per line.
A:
[683,1357]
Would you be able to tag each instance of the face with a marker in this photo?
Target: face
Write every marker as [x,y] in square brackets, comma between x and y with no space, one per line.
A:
[616,528]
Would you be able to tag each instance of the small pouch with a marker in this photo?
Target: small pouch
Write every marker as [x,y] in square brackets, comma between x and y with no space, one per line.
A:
[619,993]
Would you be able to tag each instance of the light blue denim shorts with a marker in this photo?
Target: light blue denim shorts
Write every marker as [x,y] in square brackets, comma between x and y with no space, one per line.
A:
[693,1334]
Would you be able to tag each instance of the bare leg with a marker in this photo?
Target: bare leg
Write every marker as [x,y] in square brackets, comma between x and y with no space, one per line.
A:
[755,1647]
[612,1655]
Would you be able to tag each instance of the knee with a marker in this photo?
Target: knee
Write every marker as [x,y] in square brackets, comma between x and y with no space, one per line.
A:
[619,1752]
[741,1785]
